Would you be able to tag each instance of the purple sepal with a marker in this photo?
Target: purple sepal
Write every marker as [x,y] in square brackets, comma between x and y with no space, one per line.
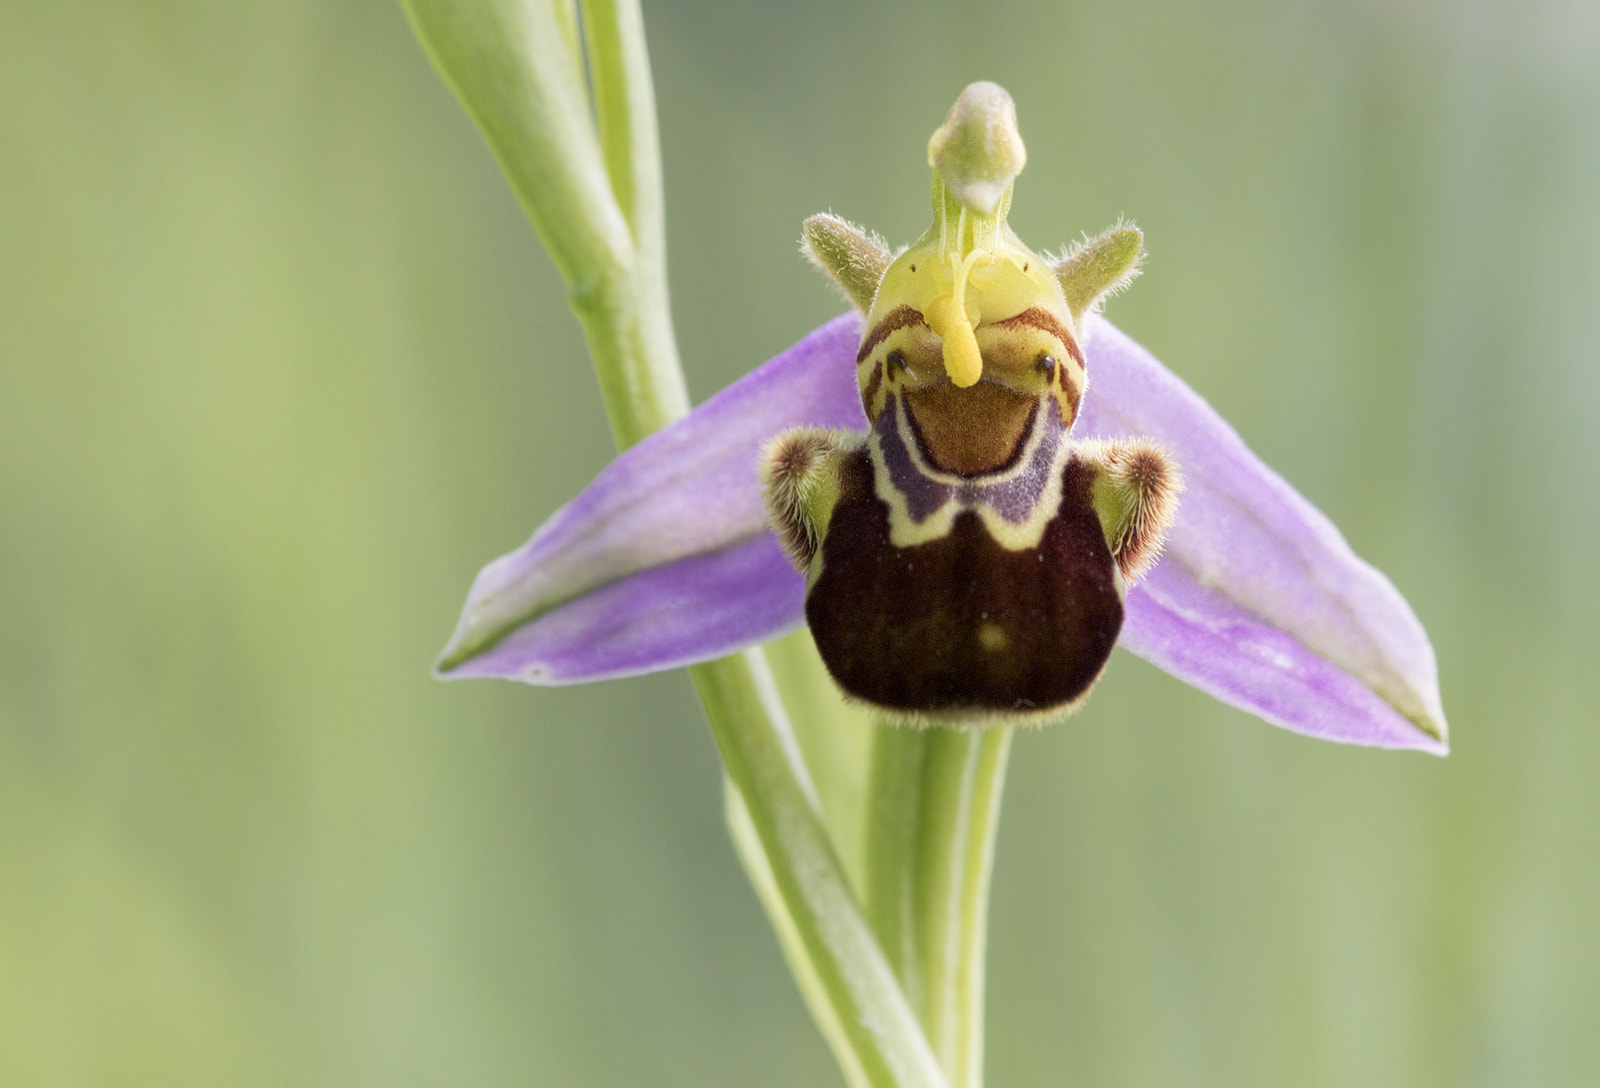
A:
[1257,599]
[681,613]
[1206,640]
[687,493]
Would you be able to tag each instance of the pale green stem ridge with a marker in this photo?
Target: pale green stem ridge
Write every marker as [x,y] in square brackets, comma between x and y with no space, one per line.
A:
[873,1030]
[929,853]
[624,109]
[625,114]
[747,841]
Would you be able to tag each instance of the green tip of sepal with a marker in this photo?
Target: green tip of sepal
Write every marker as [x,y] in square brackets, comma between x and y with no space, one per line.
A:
[853,258]
[978,151]
[1097,268]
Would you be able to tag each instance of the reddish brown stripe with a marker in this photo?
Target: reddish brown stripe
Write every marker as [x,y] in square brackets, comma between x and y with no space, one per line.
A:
[898,318]
[871,391]
[1073,392]
[1045,321]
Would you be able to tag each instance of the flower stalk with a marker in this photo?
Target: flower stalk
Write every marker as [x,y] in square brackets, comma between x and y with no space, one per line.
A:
[587,172]
[778,826]
[935,796]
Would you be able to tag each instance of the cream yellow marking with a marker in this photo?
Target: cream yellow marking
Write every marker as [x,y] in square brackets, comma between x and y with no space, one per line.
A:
[1013,536]
[920,349]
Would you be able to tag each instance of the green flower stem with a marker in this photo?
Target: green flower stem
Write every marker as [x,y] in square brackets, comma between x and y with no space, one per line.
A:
[935,797]
[589,179]
[838,962]
[517,67]
[625,112]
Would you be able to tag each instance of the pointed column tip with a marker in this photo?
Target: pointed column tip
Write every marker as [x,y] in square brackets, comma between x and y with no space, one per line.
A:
[978,151]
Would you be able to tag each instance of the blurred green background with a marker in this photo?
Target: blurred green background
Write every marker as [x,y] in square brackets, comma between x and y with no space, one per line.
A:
[281,366]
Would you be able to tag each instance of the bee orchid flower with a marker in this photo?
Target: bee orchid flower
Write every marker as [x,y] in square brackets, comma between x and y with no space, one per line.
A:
[670,557]
[971,487]
[666,559]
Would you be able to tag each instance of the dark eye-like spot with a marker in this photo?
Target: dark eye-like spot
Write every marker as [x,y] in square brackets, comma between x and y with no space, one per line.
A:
[898,361]
[913,268]
[1048,366]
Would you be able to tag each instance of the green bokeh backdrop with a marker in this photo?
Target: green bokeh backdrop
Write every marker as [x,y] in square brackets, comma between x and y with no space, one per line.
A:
[281,365]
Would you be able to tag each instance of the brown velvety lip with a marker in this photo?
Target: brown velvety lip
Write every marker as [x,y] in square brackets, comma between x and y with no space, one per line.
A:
[968,438]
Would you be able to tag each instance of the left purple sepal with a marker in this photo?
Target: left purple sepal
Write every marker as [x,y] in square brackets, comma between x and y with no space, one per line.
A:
[666,560]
